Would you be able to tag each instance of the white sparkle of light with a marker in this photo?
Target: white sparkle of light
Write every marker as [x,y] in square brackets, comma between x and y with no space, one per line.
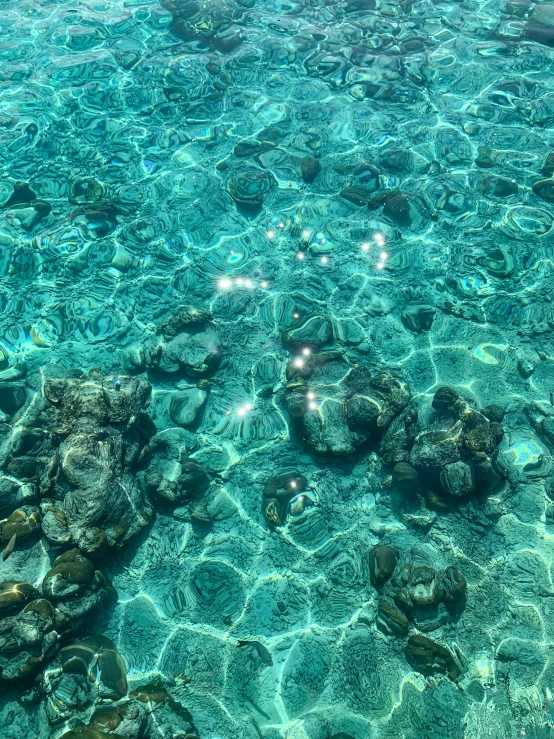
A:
[241,411]
[324,260]
[379,238]
[248,283]
[383,255]
[293,484]
[310,396]
[248,406]
[270,234]
[306,351]
[380,265]
[296,315]
[312,405]
[239,281]
[225,283]
[281,225]
[298,362]
[306,235]
[365,247]
[300,255]
[264,284]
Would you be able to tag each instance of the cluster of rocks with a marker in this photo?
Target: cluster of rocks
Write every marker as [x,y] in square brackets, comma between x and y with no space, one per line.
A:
[76,451]
[84,467]
[33,621]
[88,682]
[149,710]
[452,457]
[403,209]
[337,407]
[285,494]
[415,599]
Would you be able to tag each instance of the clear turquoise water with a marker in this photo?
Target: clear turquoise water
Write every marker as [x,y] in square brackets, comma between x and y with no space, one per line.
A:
[362,177]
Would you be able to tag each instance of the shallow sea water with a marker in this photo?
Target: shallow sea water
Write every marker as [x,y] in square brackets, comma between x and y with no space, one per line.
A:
[336,190]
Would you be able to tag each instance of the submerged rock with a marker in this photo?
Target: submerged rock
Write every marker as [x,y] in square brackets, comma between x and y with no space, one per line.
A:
[456,479]
[186,343]
[391,620]
[458,460]
[22,523]
[248,188]
[14,493]
[12,398]
[405,478]
[398,439]
[494,413]
[420,587]
[87,437]
[382,563]
[252,148]
[284,495]
[310,167]
[71,575]
[87,732]
[32,625]
[76,586]
[87,671]
[383,393]
[352,407]
[149,711]
[357,195]
[14,594]
[446,399]
[435,449]
[187,405]
[96,658]
[182,318]
[170,476]
[418,317]
[406,210]
[544,189]
[498,186]
[101,500]
[29,639]
[430,657]
[285,485]
[455,589]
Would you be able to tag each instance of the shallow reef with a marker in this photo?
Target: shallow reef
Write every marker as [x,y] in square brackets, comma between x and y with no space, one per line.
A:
[276,369]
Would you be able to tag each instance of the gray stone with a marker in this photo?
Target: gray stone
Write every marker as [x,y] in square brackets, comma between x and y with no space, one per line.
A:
[456,479]
[186,406]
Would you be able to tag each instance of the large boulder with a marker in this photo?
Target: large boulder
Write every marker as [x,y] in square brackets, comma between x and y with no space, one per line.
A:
[172,477]
[93,499]
[337,407]
[29,638]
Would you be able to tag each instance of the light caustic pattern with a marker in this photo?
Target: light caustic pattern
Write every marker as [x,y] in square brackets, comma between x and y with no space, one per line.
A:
[385,166]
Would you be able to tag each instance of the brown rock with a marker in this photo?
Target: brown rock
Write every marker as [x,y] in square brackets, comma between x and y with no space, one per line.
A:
[393,619]
[382,562]
[429,657]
